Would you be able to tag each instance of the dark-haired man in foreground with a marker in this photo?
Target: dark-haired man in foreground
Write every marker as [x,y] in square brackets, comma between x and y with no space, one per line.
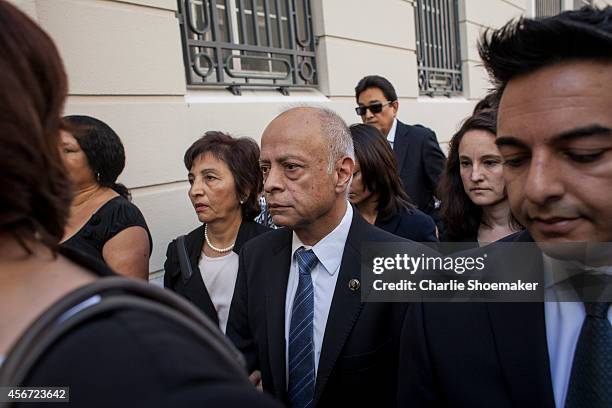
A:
[555,135]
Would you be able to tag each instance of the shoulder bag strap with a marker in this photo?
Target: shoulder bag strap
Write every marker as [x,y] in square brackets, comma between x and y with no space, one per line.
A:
[183,257]
[116,294]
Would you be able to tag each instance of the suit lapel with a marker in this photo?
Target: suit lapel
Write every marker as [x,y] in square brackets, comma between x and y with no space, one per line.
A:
[345,308]
[524,358]
[400,145]
[195,290]
[277,275]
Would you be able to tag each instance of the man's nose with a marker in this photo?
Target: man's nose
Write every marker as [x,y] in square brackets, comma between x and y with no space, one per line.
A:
[543,183]
[273,180]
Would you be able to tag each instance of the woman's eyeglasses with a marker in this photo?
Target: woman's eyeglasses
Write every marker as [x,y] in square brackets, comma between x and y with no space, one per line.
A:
[374,108]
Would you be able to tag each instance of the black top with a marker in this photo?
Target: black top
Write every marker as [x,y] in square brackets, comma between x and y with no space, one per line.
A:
[478,354]
[113,217]
[194,288]
[133,359]
[410,223]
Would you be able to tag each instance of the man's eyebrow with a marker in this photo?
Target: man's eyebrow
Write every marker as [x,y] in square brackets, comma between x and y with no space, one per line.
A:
[577,133]
[568,135]
[283,159]
[509,141]
[370,102]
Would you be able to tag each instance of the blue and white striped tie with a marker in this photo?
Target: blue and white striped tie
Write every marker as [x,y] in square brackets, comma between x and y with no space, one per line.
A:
[301,346]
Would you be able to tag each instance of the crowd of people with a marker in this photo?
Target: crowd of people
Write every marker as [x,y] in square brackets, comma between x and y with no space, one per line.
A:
[270,282]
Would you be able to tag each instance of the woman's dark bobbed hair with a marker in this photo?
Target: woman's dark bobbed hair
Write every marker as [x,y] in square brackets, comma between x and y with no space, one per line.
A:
[379,170]
[242,157]
[103,149]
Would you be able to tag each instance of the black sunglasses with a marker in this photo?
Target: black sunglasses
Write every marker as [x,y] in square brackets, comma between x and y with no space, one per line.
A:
[374,108]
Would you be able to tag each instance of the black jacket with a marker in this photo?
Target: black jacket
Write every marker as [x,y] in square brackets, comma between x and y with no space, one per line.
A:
[194,289]
[358,361]
[411,224]
[477,354]
[420,162]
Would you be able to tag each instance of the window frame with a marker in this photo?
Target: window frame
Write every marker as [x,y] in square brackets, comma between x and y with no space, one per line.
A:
[438,48]
[217,58]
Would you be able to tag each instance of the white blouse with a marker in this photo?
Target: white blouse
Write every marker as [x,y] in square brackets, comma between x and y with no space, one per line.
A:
[219,276]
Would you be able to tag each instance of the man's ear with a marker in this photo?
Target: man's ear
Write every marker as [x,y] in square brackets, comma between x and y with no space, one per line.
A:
[344,172]
[395,107]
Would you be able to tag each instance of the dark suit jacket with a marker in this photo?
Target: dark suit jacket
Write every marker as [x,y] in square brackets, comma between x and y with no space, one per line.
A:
[358,362]
[411,224]
[420,162]
[194,289]
[476,354]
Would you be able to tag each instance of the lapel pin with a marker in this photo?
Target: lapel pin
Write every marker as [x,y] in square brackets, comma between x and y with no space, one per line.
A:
[354,285]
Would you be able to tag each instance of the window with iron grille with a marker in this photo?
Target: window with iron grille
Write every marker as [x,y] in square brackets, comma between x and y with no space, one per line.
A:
[248,43]
[578,4]
[438,52]
[547,8]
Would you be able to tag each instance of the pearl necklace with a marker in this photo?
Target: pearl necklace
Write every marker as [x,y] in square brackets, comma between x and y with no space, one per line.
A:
[214,248]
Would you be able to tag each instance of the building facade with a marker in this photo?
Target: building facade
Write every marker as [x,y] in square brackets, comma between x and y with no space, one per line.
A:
[162,72]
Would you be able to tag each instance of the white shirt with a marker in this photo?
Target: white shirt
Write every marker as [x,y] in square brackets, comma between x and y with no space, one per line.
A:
[329,252]
[563,323]
[391,134]
[219,276]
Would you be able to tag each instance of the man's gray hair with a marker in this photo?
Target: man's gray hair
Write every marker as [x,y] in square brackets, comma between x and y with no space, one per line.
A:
[336,131]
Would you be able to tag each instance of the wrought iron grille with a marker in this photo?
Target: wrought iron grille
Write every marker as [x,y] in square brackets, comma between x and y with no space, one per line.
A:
[547,8]
[248,43]
[438,52]
[578,4]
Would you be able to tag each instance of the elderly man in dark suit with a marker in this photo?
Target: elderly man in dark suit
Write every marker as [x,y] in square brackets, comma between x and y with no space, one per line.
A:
[297,313]
[554,76]
[419,158]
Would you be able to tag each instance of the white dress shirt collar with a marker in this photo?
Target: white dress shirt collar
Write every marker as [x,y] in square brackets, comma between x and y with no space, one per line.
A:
[391,134]
[563,321]
[329,250]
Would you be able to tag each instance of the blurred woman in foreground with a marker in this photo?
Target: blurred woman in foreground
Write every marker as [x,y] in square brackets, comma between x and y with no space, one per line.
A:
[128,357]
